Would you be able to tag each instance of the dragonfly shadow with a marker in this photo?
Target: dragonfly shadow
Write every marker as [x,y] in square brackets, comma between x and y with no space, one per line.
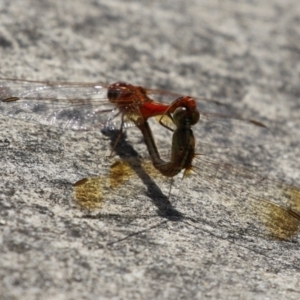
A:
[124,150]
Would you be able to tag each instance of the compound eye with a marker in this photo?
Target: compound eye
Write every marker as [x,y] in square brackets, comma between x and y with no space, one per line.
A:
[117,90]
[195,116]
[114,94]
[179,115]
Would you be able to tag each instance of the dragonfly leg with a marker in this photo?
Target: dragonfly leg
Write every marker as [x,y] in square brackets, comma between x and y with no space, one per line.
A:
[119,136]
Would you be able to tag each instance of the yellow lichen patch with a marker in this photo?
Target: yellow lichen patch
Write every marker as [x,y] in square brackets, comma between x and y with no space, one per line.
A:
[293,194]
[121,179]
[281,223]
[120,172]
[88,193]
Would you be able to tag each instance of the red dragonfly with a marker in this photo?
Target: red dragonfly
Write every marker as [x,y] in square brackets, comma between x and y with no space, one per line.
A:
[94,106]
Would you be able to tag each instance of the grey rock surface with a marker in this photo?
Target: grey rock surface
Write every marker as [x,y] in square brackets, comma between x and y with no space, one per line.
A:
[207,238]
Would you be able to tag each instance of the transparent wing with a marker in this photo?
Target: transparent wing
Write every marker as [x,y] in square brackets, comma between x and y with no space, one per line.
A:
[203,104]
[216,196]
[84,106]
[76,106]
[244,199]
[228,132]
[214,132]
[220,124]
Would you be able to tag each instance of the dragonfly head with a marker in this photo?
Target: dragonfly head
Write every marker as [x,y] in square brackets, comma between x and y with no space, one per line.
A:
[182,116]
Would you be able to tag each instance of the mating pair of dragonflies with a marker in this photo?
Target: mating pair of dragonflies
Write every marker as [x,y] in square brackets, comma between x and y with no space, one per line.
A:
[92,106]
